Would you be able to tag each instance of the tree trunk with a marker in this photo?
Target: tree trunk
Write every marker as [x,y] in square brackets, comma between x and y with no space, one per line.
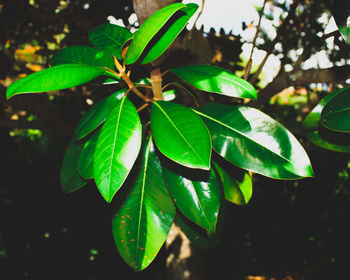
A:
[145,8]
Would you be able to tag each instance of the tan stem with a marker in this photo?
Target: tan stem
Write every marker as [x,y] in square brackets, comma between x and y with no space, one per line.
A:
[156,80]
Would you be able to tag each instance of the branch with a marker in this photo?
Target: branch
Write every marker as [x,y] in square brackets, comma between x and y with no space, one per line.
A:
[278,37]
[303,78]
[249,64]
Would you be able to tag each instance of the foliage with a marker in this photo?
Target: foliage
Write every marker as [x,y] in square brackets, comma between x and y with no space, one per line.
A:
[173,154]
[184,138]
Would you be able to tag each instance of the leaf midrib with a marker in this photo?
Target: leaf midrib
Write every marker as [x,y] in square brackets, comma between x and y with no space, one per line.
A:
[114,146]
[182,136]
[242,134]
[142,195]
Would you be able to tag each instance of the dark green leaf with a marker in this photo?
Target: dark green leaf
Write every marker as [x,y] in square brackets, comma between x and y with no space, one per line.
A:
[312,120]
[84,55]
[70,178]
[85,164]
[97,114]
[336,113]
[197,235]
[55,78]
[178,22]
[117,148]
[196,194]
[148,30]
[180,135]
[253,141]
[237,183]
[144,216]
[330,140]
[110,38]
[215,79]
[341,12]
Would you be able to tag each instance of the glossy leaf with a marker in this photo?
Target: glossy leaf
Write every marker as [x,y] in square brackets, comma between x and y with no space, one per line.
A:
[144,216]
[253,141]
[55,78]
[97,114]
[148,30]
[215,79]
[336,113]
[197,235]
[180,135]
[237,183]
[85,164]
[312,120]
[195,194]
[330,140]
[70,177]
[84,55]
[110,38]
[178,22]
[117,148]
[341,12]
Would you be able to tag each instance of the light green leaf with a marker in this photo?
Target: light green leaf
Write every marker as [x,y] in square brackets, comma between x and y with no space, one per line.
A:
[110,38]
[148,31]
[70,177]
[253,141]
[97,114]
[145,213]
[85,164]
[336,113]
[237,183]
[55,78]
[180,135]
[215,79]
[84,55]
[169,34]
[117,148]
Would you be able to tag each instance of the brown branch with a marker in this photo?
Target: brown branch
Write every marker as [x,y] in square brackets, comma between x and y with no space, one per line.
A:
[303,78]
[278,37]
[249,64]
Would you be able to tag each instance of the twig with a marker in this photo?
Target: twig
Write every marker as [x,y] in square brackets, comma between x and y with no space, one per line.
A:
[274,42]
[156,80]
[250,61]
[127,80]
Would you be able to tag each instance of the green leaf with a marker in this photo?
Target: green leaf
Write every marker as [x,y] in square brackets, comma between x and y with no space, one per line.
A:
[70,177]
[197,235]
[55,78]
[237,183]
[312,120]
[341,12]
[110,38]
[180,135]
[330,140]
[148,31]
[195,194]
[169,34]
[84,55]
[336,113]
[143,218]
[117,148]
[85,164]
[97,114]
[253,141]
[215,79]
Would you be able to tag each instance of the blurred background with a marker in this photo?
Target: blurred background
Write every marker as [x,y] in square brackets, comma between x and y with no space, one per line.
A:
[290,230]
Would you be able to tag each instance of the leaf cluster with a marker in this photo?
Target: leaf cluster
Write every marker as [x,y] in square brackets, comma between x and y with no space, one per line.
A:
[175,158]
